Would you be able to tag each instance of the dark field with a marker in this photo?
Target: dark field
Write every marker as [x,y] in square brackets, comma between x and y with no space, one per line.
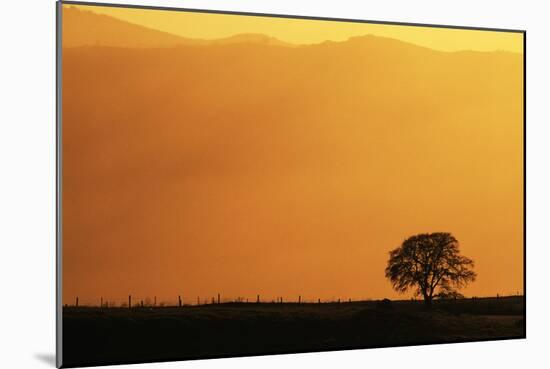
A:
[94,336]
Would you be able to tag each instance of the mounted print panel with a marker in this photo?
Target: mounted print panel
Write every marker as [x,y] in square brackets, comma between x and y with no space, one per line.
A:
[234,184]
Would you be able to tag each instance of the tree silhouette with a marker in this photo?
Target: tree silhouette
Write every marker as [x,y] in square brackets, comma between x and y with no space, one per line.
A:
[431,263]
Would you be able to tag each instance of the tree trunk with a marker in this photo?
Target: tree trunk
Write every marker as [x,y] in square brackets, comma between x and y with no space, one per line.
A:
[428,300]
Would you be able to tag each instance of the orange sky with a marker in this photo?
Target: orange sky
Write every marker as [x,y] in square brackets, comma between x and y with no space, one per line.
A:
[248,168]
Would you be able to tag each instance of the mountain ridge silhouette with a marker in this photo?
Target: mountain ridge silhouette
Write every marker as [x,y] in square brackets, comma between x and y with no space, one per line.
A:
[113,32]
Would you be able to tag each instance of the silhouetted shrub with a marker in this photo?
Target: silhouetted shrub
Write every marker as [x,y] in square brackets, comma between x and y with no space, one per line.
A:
[449,295]
[384,304]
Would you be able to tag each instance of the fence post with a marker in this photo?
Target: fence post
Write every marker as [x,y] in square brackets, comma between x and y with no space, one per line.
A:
[218,298]
[76,304]
[155,300]
[179,301]
[299,299]
[319,301]
[141,303]
[101,303]
[129,301]
[257,299]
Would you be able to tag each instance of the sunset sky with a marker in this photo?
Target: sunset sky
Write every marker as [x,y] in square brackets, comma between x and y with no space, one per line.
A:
[249,168]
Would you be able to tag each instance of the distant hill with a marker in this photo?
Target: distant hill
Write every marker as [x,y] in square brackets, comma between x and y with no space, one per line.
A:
[86,28]
[251,38]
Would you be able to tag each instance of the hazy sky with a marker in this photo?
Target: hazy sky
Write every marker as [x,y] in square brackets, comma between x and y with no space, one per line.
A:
[214,26]
[248,168]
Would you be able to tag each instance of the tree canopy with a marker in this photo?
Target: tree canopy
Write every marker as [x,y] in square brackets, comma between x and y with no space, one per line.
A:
[430,263]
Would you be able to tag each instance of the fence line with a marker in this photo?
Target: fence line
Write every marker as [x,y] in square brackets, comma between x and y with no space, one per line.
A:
[134,301]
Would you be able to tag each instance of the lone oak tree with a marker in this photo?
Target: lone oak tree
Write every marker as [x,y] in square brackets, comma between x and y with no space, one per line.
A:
[431,263]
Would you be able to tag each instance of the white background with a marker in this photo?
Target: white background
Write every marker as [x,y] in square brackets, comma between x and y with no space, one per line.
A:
[27,182]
